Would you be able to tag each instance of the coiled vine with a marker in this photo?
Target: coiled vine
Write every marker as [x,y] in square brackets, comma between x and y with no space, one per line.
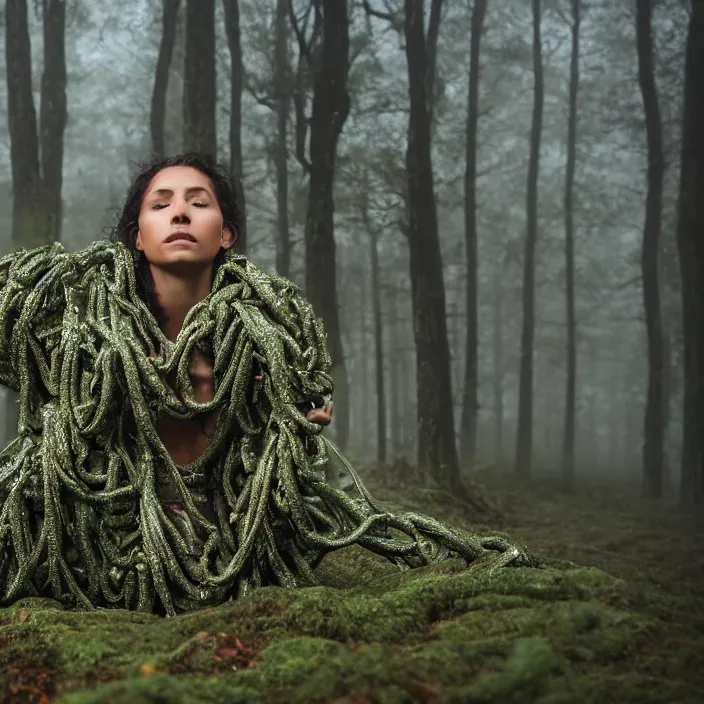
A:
[81,518]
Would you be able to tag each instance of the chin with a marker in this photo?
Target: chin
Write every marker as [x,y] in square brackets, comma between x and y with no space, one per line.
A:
[183,263]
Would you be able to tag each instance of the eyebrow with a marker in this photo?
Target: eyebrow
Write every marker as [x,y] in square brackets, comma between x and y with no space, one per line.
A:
[189,191]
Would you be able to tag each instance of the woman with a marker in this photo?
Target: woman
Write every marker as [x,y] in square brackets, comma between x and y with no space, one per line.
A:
[171,396]
[180,219]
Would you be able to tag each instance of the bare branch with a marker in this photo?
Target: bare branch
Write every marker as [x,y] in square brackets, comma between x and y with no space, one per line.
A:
[303,46]
[561,14]
[387,16]
[262,99]
[301,123]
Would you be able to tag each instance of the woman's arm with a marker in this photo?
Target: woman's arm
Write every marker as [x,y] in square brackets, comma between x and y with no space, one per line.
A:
[321,416]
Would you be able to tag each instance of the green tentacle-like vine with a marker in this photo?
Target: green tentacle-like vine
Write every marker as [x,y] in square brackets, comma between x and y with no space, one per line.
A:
[81,515]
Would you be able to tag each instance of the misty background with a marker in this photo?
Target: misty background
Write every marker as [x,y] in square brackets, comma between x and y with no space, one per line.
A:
[451,257]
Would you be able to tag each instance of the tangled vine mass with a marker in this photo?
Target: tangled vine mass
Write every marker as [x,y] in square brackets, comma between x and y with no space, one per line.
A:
[81,514]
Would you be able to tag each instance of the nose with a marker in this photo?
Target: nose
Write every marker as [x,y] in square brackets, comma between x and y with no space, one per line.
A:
[180,219]
[180,216]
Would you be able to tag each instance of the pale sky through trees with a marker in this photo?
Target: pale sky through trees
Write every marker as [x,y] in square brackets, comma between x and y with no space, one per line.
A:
[111,56]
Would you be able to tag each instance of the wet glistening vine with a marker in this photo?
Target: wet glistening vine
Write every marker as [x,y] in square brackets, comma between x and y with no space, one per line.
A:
[81,519]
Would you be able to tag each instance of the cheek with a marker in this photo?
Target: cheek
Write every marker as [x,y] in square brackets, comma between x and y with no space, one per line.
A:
[148,228]
[215,223]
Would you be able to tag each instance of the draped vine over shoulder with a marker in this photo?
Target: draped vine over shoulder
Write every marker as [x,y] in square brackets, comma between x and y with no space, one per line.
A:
[81,517]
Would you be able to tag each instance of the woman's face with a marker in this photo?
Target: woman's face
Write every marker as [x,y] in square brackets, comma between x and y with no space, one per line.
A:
[180,222]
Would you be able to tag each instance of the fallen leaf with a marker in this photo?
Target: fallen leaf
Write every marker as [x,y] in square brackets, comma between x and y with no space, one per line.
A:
[358,646]
[227,652]
[203,635]
[423,691]
[24,615]
[148,669]
[351,699]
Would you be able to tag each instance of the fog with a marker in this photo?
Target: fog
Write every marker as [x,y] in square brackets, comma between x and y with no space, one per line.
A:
[111,59]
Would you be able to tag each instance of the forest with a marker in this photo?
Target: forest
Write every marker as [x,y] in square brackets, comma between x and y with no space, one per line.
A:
[497,209]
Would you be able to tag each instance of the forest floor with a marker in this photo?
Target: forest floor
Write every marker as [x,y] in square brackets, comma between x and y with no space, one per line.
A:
[615,614]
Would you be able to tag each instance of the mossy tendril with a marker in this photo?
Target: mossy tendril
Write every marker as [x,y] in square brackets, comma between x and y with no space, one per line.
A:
[81,518]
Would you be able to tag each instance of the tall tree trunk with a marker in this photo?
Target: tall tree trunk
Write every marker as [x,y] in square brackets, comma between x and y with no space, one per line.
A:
[29,221]
[282,98]
[468,427]
[634,427]
[380,391]
[232,28]
[365,367]
[36,184]
[431,53]
[666,410]
[331,104]
[395,369]
[30,227]
[175,90]
[690,246]
[591,439]
[157,116]
[524,441]
[498,380]
[199,82]
[615,411]
[52,113]
[653,431]
[437,453]
[570,395]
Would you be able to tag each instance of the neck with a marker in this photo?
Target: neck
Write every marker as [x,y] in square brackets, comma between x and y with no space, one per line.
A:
[177,294]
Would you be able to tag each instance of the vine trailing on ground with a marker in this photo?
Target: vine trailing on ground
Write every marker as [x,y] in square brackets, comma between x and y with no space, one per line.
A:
[81,516]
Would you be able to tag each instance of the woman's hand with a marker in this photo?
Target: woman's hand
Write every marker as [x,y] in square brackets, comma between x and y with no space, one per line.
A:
[321,416]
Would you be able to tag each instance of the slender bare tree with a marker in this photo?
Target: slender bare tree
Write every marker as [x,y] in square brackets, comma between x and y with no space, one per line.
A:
[327,56]
[199,89]
[654,427]
[234,41]
[690,245]
[36,156]
[568,442]
[524,440]
[282,97]
[468,427]
[161,76]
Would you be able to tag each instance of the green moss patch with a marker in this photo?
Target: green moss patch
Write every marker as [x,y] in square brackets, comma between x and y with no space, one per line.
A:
[370,633]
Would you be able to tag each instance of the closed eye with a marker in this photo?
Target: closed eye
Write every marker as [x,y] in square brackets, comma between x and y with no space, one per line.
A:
[161,206]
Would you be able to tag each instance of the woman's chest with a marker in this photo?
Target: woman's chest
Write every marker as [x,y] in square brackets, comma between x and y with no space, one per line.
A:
[186,440]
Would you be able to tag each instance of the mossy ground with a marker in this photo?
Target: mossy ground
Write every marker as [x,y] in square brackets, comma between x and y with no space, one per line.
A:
[615,615]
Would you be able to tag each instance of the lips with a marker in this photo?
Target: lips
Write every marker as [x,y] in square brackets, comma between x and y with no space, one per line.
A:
[187,236]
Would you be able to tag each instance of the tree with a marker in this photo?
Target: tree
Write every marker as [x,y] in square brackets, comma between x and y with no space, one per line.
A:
[437,452]
[327,58]
[654,428]
[468,428]
[232,28]
[380,382]
[524,441]
[568,449]
[690,246]
[29,217]
[199,83]
[161,77]
[282,102]
[498,367]
[36,175]
[53,112]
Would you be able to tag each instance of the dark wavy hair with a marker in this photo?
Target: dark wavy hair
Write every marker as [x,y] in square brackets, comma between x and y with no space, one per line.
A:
[127,225]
